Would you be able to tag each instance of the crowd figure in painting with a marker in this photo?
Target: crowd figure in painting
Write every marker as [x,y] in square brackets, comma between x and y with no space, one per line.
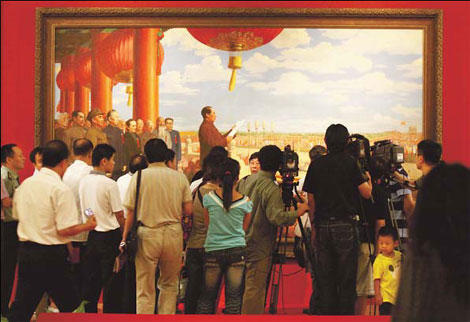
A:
[65,228]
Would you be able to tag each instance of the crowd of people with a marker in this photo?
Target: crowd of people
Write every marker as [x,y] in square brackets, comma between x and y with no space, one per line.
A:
[66,229]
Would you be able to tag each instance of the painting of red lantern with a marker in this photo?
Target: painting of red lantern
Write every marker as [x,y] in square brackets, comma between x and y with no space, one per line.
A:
[292,84]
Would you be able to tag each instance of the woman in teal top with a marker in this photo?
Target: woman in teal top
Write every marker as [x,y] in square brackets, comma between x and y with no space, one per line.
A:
[227,214]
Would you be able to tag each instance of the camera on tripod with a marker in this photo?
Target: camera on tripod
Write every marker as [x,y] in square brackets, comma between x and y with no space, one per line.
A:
[289,169]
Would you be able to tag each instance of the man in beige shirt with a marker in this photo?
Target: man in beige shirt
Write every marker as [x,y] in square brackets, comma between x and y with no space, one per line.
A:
[164,197]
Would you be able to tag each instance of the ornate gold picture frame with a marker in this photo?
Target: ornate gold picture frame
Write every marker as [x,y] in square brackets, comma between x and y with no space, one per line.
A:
[48,20]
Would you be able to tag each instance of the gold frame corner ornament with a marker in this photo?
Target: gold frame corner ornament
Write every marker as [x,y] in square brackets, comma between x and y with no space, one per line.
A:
[49,19]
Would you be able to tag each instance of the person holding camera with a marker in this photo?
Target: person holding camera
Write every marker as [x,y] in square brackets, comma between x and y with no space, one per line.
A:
[268,213]
[332,184]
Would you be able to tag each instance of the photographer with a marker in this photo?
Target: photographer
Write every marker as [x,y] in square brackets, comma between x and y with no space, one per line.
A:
[268,213]
[429,156]
[332,184]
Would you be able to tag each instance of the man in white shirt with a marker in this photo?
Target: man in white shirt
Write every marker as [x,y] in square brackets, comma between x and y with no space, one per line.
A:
[100,195]
[164,197]
[138,162]
[47,216]
[82,149]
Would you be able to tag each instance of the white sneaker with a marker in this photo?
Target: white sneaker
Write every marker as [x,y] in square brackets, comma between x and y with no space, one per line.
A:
[52,309]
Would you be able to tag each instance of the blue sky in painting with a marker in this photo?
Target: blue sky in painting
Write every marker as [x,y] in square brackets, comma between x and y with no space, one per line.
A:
[301,82]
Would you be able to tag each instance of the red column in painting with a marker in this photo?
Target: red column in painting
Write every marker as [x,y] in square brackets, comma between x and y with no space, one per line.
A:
[101,85]
[82,98]
[145,76]
[69,94]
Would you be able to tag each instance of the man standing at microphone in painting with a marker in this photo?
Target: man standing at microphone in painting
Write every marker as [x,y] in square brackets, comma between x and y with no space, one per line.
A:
[209,136]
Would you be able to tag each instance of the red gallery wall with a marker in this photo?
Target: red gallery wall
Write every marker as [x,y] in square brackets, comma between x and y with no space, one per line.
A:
[18,43]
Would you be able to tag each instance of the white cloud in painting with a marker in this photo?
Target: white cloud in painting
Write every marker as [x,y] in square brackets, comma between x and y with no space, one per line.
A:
[289,38]
[375,83]
[173,83]
[181,38]
[412,70]
[341,34]
[324,58]
[259,63]
[391,41]
[291,83]
[413,113]
[168,102]
[350,109]
[209,69]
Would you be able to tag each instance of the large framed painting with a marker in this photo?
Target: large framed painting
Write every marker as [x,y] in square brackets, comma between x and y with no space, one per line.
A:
[272,76]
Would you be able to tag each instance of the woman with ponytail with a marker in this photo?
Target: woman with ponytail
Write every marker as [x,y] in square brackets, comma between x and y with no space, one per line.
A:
[227,214]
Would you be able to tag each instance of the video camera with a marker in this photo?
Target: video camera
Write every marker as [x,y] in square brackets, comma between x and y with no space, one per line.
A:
[392,154]
[359,148]
[289,169]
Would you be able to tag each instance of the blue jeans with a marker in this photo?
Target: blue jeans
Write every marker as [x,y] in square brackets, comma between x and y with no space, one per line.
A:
[337,252]
[228,263]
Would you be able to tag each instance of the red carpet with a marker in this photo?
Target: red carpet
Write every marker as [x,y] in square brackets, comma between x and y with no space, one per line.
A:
[70,317]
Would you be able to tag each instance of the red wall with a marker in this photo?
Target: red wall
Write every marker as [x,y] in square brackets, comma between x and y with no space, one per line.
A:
[17,45]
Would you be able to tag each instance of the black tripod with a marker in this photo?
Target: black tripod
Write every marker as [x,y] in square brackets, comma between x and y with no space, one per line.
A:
[275,275]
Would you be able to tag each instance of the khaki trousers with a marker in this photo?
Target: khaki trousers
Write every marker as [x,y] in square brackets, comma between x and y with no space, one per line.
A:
[158,247]
[256,274]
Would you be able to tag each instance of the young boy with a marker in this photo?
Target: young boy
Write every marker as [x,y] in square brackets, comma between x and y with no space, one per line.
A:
[387,270]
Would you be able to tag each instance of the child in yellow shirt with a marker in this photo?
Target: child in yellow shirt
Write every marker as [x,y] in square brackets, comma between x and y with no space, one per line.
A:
[386,270]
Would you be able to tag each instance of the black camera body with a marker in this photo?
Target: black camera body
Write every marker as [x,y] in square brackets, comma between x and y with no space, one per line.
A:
[392,154]
[359,148]
[289,169]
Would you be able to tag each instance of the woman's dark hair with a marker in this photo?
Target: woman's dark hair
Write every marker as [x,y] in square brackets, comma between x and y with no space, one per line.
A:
[228,173]
[138,162]
[336,137]
[441,221]
[217,155]
[54,152]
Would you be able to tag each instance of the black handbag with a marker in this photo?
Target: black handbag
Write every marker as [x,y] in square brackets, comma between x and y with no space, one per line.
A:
[131,240]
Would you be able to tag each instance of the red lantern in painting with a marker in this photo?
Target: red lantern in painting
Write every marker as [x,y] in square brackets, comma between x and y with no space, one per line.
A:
[83,67]
[66,77]
[234,40]
[115,56]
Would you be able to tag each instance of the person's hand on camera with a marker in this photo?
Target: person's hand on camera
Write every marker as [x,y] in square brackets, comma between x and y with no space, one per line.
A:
[399,177]
[302,208]
[91,223]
